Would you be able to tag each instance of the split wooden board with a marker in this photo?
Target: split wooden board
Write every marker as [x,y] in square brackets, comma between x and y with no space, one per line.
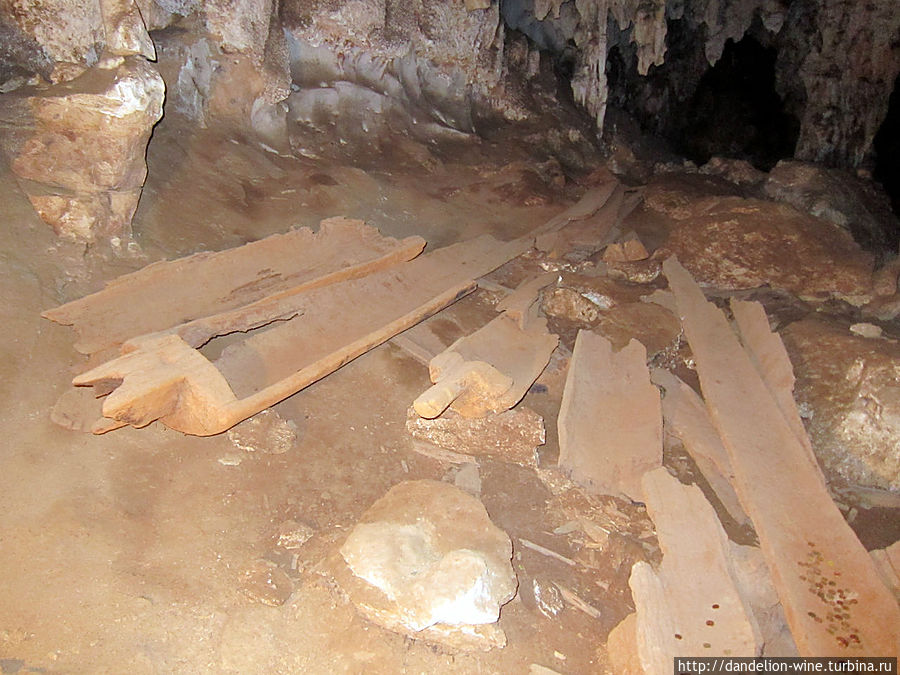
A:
[770,358]
[159,376]
[834,601]
[591,231]
[887,561]
[686,418]
[691,605]
[517,304]
[591,202]
[610,422]
[169,294]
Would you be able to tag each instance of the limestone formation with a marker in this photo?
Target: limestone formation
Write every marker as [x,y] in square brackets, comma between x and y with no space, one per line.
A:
[45,33]
[839,56]
[78,147]
[510,436]
[423,61]
[124,29]
[848,383]
[40,35]
[737,171]
[832,55]
[837,196]
[735,243]
[427,561]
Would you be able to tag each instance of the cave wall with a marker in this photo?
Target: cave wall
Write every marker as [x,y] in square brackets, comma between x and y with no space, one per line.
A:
[435,68]
[845,54]
[79,96]
[836,60]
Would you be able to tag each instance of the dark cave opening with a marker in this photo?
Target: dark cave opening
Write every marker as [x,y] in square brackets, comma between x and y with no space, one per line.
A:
[736,112]
[887,150]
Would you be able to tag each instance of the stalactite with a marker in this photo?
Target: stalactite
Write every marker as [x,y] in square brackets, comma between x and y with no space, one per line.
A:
[589,81]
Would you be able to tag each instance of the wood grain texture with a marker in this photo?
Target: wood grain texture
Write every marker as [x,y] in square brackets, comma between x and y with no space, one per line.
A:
[610,421]
[489,370]
[692,604]
[168,294]
[771,360]
[686,418]
[834,601]
[160,376]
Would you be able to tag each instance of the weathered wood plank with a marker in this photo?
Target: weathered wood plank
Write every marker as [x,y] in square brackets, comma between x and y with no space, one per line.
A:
[167,294]
[590,202]
[887,562]
[686,418]
[592,231]
[159,376]
[610,421]
[517,303]
[489,370]
[768,355]
[834,601]
[691,605]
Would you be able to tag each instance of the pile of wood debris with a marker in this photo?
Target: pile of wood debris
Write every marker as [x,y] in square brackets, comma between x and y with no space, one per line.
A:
[293,308]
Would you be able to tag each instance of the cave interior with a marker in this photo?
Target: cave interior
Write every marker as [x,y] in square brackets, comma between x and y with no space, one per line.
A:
[756,141]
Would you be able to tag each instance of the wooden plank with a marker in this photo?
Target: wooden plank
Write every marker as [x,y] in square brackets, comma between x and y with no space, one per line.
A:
[489,370]
[887,562]
[610,421]
[159,376]
[771,360]
[622,647]
[426,340]
[517,303]
[686,418]
[167,294]
[591,202]
[591,231]
[691,605]
[834,601]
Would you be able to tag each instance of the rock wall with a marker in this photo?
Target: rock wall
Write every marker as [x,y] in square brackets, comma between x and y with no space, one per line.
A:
[437,69]
[836,63]
[845,55]
[78,147]
[80,98]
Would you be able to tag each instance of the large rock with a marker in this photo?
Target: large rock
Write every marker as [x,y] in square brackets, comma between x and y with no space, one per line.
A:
[839,57]
[38,34]
[850,386]
[736,243]
[44,32]
[837,196]
[78,147]
[125,31]
[428,562]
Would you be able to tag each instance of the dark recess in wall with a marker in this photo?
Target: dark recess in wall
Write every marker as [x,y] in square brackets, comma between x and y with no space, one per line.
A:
[736,112]
[887,150]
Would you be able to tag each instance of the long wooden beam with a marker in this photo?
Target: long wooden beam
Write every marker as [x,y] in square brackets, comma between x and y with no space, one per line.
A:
[834,601]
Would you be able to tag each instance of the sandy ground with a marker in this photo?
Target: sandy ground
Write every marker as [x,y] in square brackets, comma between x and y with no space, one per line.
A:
[127,552]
